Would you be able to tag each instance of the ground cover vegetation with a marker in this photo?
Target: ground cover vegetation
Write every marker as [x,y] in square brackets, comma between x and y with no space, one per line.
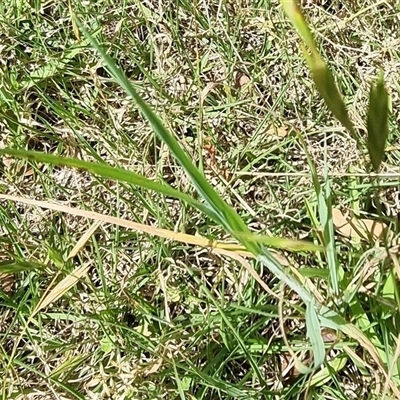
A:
[199,200]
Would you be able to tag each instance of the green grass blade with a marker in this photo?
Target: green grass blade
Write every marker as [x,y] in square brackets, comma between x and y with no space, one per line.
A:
[226,214]
[272,264]
[316,340]
[377,122]
[12,267]
[178,381]
[281,243]
[314,334]
[324,203]
[325,375]
[229,219]
[109,172]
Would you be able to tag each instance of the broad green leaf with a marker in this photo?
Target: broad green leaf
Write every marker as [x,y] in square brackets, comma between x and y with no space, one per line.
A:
[377,122]
[309,272]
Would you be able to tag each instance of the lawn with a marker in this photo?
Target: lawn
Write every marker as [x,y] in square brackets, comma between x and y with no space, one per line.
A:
[110,289]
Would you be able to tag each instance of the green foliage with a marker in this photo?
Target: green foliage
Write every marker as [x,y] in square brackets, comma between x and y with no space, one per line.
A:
[153,317]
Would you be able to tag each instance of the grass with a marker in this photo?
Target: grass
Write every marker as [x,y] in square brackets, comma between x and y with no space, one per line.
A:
[158,318]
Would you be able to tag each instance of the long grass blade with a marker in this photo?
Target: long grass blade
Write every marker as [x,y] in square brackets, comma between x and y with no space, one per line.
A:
[109,172]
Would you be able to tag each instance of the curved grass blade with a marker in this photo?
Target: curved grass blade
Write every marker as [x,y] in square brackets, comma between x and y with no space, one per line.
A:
[227,216]
[109,172]
[377,122]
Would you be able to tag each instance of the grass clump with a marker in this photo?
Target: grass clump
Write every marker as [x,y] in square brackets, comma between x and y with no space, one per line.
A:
[100,311]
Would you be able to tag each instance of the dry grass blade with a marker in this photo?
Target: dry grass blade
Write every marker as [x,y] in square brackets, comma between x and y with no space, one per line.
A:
[69,281]
[163,233]
[356,334]
[373,372]
[83,240]
[207,89]
[231,250]
[62,287]
[393,255]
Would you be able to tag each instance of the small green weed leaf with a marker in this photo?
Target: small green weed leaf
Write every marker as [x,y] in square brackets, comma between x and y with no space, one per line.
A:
[377,122]
[107,344]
